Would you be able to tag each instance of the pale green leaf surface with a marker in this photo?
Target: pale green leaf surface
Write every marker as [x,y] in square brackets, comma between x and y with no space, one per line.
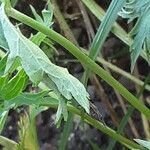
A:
[36,15]
[3,42]
[146,144]
[141,31]
[36,64]
[46,19]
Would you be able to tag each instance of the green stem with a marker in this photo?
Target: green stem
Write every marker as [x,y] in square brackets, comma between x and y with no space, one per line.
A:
[112,67]
[129,113]
[122,72]
[96,124]
[85,60]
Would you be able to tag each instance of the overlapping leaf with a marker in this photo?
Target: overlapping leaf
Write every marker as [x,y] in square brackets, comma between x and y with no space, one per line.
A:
[141,31]
[36,64]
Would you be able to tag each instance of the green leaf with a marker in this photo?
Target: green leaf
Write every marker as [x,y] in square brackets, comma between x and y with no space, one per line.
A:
[48,14]
[3,42]
[35,99]
[36,15]
[3,117]
[14,87]
[46,19]
[8,144]
[27,134]
[62,110]
[36,64]
[102,32]
[3,81]
[141,31]
[3,64]
[146,144]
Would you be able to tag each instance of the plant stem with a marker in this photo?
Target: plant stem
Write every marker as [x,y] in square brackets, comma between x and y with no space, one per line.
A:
[112,67]
[129,113]
[96,124]
[85,60]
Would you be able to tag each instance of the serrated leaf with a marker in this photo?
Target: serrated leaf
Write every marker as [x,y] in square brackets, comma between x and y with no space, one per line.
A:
[146,144]
[48,14]
[46,19]
[141,31]
[35,99]
[36,15]
[36,64]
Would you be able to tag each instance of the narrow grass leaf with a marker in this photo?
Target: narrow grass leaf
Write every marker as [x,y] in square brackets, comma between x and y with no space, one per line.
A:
[103,31]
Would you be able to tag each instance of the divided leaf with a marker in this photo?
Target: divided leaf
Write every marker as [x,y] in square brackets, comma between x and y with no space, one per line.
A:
[34,99]
[141,31]
[36,64]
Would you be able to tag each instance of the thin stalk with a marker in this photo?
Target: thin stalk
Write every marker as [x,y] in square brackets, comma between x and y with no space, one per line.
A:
[92,121]
[112,67]
[66,133]
[96,124]
[85,60]
[122,72]
[130,111]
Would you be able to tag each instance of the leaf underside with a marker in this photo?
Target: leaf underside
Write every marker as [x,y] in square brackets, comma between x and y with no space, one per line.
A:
[140,10]
[36,64]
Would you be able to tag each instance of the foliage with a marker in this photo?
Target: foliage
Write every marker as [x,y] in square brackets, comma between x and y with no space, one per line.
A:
[146,144]
[140,10]
[37,65]
[26,62]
